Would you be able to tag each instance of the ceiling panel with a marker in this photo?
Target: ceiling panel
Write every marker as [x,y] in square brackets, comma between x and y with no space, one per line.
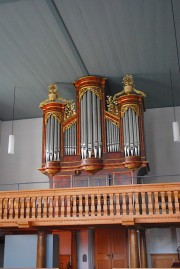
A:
[45,41]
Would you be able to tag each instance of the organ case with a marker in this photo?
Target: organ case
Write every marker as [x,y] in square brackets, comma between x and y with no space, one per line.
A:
[94,139]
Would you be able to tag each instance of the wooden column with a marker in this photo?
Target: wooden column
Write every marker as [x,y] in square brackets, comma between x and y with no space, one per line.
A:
[40,258]
[74,249]
[133,248]
[143,253]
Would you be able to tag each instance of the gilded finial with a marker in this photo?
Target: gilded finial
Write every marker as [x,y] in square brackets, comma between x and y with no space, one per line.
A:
[129,87]
[53,95]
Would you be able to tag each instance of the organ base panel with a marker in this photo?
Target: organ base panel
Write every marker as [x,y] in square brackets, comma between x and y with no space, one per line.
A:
[95,140]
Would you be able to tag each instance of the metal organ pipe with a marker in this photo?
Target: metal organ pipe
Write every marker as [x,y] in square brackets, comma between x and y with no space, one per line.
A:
[55,140]
[91,141]
[131,133]
[58,140]
[70,140]
[52,139]
[94,110]
[112,136]
[47,140]
[85,126]
[89,125]
[99,127]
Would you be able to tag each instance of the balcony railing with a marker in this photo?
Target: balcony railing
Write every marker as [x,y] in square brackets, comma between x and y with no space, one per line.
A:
[126,205]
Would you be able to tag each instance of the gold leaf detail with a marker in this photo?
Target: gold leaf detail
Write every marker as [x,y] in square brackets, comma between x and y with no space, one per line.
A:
[69,110]
[112,105]
[55,114]
[125,107]
[69,125]
[96,90]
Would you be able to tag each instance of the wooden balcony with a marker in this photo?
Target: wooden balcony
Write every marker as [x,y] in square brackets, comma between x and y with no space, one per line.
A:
[125,205]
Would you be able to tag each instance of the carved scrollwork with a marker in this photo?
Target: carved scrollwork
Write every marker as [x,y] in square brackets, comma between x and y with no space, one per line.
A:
[125,107]
[69,110]
[55,114]
[69,125]
[96,90]
[112,105]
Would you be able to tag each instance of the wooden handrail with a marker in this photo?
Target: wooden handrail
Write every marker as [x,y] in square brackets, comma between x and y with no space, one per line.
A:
[126,205]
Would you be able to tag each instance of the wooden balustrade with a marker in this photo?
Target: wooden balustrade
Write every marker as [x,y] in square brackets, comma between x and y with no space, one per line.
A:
[126,205]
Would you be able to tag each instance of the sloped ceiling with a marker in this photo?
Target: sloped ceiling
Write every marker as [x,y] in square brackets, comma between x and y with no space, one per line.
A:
[45,41]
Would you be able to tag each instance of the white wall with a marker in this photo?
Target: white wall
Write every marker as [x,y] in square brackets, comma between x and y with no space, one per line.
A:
[161,151]
[23,256]
[161,241]
[22,166]
[82,248]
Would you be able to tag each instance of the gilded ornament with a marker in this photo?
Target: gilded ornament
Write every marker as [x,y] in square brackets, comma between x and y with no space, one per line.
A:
[112,105]
[69,110]
[129,87]
[69,125]
[53,95]
[113,121]
[125,107]
[96,90]
[55,114]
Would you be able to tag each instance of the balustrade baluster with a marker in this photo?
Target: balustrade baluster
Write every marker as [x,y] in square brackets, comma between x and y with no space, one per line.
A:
[74,207]
[176,202]
[62,207]
[39,207]
[104,205]
[5,201]
[150,206]
[123,204]
[143,203]
[16,208]
[89,205]
[50,199]
[156,202]
[117,203]
[163,204]
[136,203]
[98,205]
[80,206]
[21,208]
[27,208]
[1,208]
[68,209]
[86,213]
[45,207]
[11,208]
[56,206]
[170,206]
[33,207]
[111,205]
[131,201]
[93,205]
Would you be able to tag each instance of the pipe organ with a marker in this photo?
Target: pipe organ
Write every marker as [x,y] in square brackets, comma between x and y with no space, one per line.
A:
[96,137]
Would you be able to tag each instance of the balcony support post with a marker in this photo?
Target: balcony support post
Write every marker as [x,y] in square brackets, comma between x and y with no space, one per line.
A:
[74,249]
[40,258]
[143,253]
[133,248]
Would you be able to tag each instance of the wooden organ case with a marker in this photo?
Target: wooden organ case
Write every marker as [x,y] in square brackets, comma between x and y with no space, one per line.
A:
[93,141]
